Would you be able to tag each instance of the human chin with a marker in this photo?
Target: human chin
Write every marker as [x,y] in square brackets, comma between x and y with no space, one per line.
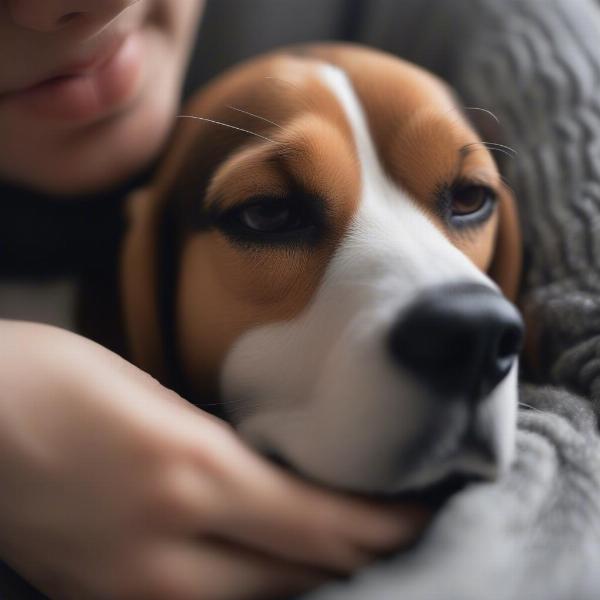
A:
[115,150]
[65,142]
[91,158]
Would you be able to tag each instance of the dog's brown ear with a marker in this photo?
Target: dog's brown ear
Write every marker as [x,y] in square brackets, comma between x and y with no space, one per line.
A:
[506,265]
[138,280]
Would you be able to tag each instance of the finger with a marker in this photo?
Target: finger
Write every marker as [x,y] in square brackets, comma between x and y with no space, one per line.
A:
[320,531]
[267,508]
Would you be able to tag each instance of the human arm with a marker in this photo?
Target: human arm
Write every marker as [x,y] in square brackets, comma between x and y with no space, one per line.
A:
[114,487]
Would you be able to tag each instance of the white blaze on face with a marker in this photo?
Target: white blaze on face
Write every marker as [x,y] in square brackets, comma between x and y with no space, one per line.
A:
[320,390]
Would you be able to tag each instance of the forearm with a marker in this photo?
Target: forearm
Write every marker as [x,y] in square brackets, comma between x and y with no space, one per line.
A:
[11,584]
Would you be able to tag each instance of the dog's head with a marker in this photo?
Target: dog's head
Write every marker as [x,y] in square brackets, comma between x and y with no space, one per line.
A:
[319,253]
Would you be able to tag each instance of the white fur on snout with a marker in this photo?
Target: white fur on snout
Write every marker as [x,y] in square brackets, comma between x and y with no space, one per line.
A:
[320,390]
[496,421]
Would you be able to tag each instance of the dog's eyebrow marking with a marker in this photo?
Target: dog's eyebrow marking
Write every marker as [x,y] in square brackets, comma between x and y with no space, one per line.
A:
[255,116]
[207,120]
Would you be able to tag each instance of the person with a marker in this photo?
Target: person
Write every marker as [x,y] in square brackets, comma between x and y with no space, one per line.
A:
[112,486]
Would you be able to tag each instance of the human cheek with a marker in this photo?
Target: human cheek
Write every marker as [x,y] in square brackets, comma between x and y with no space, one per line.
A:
[49,16]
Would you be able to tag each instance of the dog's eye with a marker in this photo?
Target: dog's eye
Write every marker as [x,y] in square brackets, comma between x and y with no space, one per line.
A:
[470,204]
[469,199]
[294,220]
[270,217]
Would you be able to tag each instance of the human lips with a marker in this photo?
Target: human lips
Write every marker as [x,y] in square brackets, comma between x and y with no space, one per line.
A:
[86,90]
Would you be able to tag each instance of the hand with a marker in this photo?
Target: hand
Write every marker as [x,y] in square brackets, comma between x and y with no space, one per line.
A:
[113,487]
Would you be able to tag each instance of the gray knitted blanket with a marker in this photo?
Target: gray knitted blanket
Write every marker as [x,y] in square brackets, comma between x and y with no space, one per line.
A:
[533,536]
[536,534]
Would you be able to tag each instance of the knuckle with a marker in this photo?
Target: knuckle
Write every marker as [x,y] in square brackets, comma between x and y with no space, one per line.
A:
[172,496]
[210,459]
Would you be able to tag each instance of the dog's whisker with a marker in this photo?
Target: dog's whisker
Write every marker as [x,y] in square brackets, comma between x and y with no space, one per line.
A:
[506,150]
[503,146]
[502,152]
[241,110]
[207,120]
[483,110]
[492,146]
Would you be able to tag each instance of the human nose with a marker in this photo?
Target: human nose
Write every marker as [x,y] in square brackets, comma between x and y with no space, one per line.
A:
[52,15]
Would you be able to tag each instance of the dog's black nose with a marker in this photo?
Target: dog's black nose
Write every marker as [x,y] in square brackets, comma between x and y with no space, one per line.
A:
[459,339]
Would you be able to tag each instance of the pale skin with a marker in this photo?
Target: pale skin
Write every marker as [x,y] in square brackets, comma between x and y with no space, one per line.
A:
[113,487]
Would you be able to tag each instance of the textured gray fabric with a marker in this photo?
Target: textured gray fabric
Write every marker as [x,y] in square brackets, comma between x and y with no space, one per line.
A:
[535,535]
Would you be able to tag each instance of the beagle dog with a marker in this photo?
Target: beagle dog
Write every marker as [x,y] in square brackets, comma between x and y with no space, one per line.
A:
[327,252]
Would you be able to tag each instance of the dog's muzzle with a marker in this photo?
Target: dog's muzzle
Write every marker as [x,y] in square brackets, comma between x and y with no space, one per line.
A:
[399,402]
[460,340]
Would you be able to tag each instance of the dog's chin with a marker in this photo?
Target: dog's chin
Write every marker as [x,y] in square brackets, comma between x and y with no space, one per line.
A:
[432,495]
[346,417]
[429,485]
[447,448]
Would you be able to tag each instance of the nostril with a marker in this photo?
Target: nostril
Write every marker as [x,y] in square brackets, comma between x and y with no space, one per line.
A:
[504,354]
[509,343]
